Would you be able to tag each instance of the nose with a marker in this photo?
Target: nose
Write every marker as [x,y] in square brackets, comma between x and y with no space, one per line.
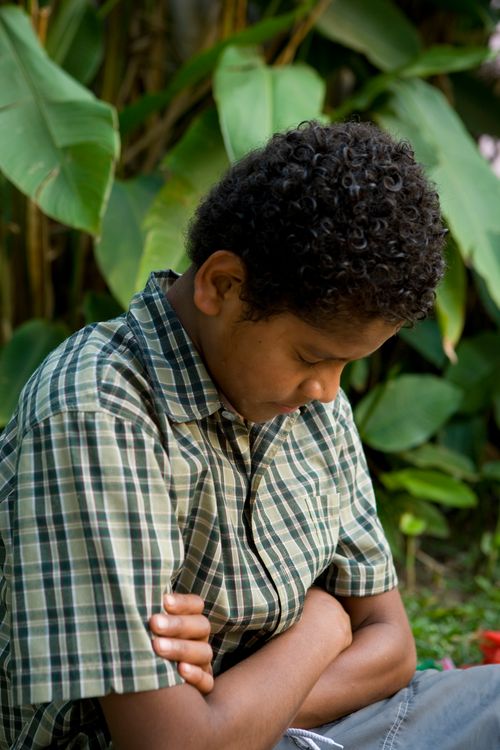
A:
[322,387]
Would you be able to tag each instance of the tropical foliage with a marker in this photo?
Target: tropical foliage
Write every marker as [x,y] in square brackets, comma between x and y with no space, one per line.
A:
[115,118]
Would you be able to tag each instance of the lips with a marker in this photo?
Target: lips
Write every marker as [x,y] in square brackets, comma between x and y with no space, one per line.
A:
[285,409]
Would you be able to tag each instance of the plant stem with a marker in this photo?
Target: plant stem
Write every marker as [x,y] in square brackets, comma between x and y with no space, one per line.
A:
[5,289]
[37,252]
[411,554]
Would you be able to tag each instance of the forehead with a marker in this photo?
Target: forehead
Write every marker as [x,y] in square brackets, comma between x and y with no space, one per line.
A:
[340,339]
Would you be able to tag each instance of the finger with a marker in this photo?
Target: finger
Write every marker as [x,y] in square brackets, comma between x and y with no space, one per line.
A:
[183,604]
[197,677]
[189,627]
[176,649]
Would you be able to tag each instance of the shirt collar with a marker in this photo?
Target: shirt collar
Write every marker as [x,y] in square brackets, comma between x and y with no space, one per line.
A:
[175,369]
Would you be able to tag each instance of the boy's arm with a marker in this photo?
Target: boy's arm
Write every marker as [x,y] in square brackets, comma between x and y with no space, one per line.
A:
[380,661]
[251,704]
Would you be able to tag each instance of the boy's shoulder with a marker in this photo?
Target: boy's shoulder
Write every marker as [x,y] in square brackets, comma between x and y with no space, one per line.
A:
[98,368]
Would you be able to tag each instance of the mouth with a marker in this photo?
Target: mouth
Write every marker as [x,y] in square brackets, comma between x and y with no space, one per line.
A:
[285,409]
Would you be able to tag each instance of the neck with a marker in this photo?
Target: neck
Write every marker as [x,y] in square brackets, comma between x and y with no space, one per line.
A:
[180,296]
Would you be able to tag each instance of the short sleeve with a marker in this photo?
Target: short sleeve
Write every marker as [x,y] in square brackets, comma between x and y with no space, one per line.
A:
[362,564]
[94,544]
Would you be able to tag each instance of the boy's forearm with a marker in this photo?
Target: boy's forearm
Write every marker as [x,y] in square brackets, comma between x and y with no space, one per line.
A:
[377,664]
[380,661]
[251,704]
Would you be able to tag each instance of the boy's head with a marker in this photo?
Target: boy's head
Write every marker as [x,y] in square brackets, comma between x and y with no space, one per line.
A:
[330,222]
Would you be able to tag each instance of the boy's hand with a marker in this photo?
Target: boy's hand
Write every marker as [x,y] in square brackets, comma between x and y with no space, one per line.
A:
[181,635]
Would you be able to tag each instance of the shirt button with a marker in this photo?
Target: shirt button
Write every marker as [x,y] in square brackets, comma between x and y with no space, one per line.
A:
[229,415]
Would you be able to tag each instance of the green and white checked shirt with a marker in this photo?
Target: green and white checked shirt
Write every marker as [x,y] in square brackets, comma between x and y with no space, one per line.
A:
[122,476]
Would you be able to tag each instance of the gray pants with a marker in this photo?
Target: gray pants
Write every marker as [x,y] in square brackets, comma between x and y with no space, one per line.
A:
[453,710]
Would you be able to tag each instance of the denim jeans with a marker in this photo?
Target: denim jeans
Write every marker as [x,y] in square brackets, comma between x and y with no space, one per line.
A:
[451,710]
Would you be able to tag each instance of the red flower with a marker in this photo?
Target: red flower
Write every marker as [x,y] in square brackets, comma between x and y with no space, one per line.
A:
[490,646]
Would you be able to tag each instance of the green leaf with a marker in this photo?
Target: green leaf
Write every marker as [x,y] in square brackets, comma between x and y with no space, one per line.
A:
[194,165]
[99,306]
[430,456]
[445,58]
[477,103]
[425,338]
[356,373]
[28,347]
[496,405]
[58,143]
[435,522]
[75,39]
[119,249]
[469,191]
[491,471]
[431,485]
[477,370]
[451,299]
[406,411]
[255,100]
[412,525]
[376,28]
[466,435]
[432,61]
[489,305]
[201,65]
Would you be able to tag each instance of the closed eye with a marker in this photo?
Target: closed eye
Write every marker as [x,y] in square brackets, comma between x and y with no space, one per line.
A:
[309,362]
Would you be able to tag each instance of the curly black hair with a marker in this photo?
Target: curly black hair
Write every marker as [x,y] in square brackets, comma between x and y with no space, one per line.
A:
[330,221]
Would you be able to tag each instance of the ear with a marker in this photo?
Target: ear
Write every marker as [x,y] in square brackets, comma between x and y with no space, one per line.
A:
[218,282]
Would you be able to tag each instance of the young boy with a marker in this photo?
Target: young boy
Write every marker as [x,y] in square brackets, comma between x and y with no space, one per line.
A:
[200,445]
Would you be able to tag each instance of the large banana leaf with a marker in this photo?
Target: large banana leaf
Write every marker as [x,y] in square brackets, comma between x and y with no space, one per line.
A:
[377,28]
[195,164]
[469,191]
[119,249]
[58,143]
[255,100]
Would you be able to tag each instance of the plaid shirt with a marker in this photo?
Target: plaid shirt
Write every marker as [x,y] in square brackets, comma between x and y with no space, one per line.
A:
[122,476]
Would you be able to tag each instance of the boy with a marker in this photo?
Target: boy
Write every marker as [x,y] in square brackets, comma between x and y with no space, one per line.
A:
[200,445]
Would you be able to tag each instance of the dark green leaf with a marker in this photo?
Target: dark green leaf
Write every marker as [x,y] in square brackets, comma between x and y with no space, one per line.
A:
[466,435]
[491,471]
[425,338]
[377,28]
[99,306]
[28,347]
[477,103]
[477,370]
[75,40]
[406,411]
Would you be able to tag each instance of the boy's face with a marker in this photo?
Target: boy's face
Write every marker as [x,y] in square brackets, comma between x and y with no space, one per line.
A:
[273,366]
